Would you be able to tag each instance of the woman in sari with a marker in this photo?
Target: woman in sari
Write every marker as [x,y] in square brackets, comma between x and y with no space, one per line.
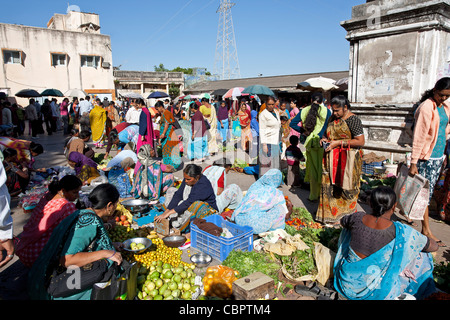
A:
[153,177]
[168,137]
[113,118]
[341,182]
[85,168]
[78,240]
[244,120]
[198,146]
[42,222]
[379,259]
[97,118]
[18,177]
[194,198]
[227,196]
[26,150]
[314,118]
[209,113]
[294,111]
[264,207]
[223,124]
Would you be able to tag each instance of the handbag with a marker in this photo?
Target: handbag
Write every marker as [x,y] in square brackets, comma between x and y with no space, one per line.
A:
[341,167]
[412,193]
[64,282]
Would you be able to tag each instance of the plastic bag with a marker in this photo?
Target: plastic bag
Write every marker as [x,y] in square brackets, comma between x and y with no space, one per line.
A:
[218,281]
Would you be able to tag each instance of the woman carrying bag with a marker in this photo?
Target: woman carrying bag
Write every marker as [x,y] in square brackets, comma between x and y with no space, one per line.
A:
[80,240]
[431,130]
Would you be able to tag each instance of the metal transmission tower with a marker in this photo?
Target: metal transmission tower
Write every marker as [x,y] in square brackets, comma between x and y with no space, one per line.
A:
[226,63]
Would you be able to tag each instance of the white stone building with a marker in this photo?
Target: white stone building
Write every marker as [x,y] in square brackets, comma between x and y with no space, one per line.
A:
[70,53]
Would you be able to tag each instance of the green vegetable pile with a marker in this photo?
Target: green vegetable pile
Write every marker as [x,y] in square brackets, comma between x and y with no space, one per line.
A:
[248,262]
[441,275]
[369,183]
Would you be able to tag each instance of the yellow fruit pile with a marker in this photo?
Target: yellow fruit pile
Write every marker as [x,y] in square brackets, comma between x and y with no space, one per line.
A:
[162,253]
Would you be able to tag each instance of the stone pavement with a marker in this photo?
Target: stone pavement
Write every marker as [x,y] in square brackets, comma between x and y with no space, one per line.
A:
[13,275]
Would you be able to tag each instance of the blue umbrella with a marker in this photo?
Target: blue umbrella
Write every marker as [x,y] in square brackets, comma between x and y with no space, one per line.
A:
[259,90]
[157,95]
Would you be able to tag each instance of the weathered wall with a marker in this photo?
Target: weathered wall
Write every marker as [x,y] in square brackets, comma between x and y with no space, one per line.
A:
[37,71]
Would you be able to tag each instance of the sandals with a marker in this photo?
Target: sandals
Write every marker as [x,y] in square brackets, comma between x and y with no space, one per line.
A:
[313,290]
[441,244]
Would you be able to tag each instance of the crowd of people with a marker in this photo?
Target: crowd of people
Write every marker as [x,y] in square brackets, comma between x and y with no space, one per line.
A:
[153,142]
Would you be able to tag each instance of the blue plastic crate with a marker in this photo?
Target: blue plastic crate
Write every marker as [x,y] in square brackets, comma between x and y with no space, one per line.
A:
[367,168]
[220,247]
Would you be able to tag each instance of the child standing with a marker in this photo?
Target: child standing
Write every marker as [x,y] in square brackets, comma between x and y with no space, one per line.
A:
[293,156]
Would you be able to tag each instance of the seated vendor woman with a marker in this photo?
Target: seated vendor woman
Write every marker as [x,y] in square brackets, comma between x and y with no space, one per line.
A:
[85,168]
[195,198]
[379,259]
[17,176]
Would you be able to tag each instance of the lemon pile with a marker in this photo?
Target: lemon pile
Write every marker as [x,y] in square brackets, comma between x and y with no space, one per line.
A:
[162,253]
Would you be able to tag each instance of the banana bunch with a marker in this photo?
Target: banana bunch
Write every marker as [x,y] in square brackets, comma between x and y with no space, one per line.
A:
[152,235]
[122,211]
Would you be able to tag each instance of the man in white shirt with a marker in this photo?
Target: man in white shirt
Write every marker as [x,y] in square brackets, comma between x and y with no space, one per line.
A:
[133,113]
[85,107]
[31,115]
[6,115]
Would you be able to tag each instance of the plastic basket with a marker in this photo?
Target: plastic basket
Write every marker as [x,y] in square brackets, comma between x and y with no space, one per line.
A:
[220,247]
[367,168]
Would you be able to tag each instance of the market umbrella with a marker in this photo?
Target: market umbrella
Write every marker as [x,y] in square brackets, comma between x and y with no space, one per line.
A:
[259,90]
[219,92]
[190,96]
[233,93]
[132,95]
[75,93]
[205,95]
[28,93]
[178,99]
[52,93]
[157,95]
[342,84]
[319,83]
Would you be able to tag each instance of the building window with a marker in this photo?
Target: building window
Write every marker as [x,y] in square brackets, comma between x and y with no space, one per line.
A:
[12,57]
[59,59]
[90,61]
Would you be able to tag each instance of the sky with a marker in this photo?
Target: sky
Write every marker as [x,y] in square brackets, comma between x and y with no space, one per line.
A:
[273,37]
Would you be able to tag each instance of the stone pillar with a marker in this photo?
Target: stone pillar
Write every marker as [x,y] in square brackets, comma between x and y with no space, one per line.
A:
[398,49]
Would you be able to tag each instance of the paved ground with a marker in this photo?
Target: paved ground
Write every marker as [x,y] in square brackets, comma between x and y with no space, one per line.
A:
[12,276]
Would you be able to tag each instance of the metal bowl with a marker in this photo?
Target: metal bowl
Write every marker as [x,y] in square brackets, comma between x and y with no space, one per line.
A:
[136,205]
[174,241]
[145,241]
[379,170]
[201,259]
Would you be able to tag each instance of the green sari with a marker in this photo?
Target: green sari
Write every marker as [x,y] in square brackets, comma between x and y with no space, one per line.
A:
[73,235]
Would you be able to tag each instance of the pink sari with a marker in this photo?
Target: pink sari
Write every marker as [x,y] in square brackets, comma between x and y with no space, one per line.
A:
[293,113]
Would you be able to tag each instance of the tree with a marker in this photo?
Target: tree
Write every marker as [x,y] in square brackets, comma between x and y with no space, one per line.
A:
[161,68]
[174,90]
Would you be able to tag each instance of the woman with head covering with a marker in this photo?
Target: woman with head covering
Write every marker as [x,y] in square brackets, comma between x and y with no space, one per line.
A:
[263,207]
[153,177]
[209,113]
[97,118]
[168,137]
[85,168]
[245,120]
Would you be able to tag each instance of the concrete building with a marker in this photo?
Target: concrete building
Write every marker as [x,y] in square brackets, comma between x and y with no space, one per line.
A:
[398,50]
[70,53]
[146,82]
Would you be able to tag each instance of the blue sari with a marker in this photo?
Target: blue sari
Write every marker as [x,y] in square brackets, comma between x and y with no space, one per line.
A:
[399,267]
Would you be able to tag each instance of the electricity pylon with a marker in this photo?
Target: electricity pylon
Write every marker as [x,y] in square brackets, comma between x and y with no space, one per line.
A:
[226,64]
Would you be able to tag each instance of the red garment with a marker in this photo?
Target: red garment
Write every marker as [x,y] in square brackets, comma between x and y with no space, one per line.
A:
[39,228]
[121,126]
